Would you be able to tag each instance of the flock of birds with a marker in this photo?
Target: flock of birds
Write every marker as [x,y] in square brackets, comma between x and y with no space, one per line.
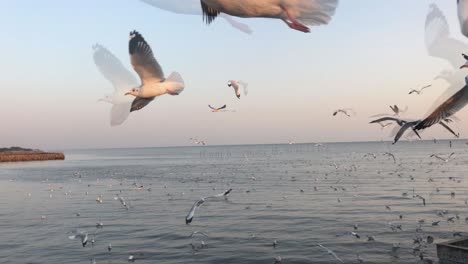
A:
[154,83]
[441,45]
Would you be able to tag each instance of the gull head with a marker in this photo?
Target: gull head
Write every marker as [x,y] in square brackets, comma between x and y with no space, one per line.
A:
[229,83]
[135,92]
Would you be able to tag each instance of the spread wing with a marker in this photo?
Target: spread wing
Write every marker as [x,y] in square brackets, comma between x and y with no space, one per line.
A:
[143,60]
[112,68]
[446,109]
[212,108]
[138,103]
[209,14]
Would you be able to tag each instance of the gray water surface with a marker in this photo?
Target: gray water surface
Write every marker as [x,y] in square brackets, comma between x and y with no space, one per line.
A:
[266,203]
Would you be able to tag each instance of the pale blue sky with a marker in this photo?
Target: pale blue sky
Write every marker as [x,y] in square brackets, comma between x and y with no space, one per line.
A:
[367,58]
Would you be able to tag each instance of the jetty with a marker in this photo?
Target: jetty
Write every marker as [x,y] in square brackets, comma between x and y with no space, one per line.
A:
[18,154]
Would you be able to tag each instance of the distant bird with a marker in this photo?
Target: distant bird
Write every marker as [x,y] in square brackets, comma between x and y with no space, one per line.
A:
[121,79]
[331,253]
[443,159]
[83,236]
[397,110]
[420,90]
[153,82]
[192,7]
[236,86]
[197,204]
[295,13]
[217,109]
[346,111]
[462,6]
[109,247]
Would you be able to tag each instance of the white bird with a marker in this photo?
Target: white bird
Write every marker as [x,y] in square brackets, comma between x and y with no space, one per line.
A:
[192,7]
[83,236]
[153,82]
[297,14]
[462,6]
[121,79]
[420,90]
[331,253]
[217,109]
[236,86]
[191,214]
[440,44]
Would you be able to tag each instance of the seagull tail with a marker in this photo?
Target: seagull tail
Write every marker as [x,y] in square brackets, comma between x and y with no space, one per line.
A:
[177,84]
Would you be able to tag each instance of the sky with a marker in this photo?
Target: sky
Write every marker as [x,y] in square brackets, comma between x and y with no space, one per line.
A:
[369,56]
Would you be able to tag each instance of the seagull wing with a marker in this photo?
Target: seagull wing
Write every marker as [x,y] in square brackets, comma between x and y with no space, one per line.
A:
[138,103]
[387,118]
[119,113]
[446,109]
[225,193]
[191,214]
[403,129]
[212,108]
[209,13]
[112,68]
[222,107]
[449,129]
[143,60]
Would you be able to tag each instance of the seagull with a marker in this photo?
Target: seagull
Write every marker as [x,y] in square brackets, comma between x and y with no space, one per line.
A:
[192,7]
[442,159]
[397,110]
[153,82]
[122,201]
[217,109]
[345,111]
[121,79]
[420,90]
[295,13]
[462,6]
[330,252]
[236,86]
[109,247]
[83,236]
[440,44]
[191,214]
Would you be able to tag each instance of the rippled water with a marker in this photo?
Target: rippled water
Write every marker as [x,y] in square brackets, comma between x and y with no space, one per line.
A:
[266,203]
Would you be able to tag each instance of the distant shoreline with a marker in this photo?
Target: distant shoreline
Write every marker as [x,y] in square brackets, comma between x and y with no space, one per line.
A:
[17,154]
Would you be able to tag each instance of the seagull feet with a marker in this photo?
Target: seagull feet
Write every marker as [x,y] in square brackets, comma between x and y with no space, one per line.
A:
[293,23]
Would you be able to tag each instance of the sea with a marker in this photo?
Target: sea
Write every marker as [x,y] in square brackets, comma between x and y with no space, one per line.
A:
[286,201]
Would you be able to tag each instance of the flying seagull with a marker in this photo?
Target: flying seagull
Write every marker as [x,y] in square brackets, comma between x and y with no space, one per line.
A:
[236,86]
[420,90]
[297,14]
[153,82]
[217,109]
[121,79]
[344,111]
[192,7]
[191,214]
[462,6]
[83,236]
